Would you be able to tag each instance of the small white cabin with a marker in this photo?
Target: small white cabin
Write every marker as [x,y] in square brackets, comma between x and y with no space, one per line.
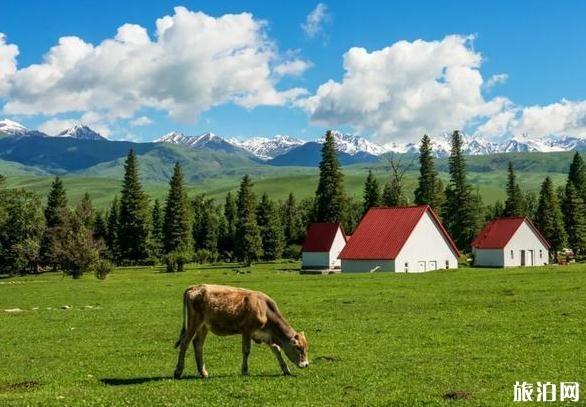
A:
[322,245]
[399,239]
[510,242]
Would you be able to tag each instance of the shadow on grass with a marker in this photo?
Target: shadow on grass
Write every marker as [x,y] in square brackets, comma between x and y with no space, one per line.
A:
[129,381]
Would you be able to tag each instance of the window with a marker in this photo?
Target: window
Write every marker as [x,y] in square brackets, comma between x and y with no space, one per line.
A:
[447,264]
[406,267]
[540,254]
[512,254]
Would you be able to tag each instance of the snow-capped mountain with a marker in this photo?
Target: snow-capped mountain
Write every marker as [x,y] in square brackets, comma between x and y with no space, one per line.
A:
[266,148]
[206,140]
[12,128]
[81,132]
[351,144]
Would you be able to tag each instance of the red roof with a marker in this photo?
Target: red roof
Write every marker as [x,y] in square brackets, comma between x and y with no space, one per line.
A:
[497,233]
[320,237]
[383,232]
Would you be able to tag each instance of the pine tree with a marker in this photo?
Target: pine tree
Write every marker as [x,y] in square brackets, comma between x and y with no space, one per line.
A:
[177,219]
[85,211]
[372,196]
[271,230]
[113,226]
[393,194]
[329,196]
[133,228]
[248,239]
[548,217]
[100,226]
[515,204]
[460,213]
[227,227]
[577,175]
[292,221]
[56,201]
[206,230]
[575,219]
[157,238]
[429,190]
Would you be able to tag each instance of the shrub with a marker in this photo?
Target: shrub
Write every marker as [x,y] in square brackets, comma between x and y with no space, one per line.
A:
[292,251]
[176,260]
[103,268]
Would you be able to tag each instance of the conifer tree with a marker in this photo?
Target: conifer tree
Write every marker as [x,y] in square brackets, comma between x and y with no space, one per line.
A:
[514,205]
[157,237]
[372,196]
[460,213]
[393,194]
[85,211]
[429,189]
[575,219]
[100,227]
[548,218]
[248,239]
[133,228]
[206,230]
[292,221]
[113,225]
[56,201]
[271,230]
[227,227]
[577,175]
[177,219]
[329,196]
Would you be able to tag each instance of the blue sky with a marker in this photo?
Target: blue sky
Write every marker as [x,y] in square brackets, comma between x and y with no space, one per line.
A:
[533,51]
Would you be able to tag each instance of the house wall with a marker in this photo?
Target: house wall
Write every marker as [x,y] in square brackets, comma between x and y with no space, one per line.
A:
[337,246]
[525,239]
[315,259]
[426,249]
[489,257]
[364,266]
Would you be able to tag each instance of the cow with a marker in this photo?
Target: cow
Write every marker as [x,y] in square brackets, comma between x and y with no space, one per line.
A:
[228,310]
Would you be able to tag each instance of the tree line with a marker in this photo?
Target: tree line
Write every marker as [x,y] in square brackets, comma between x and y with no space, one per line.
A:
[182,229]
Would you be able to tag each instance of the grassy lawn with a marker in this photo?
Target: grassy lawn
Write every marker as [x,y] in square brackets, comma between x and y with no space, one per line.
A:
[375,339]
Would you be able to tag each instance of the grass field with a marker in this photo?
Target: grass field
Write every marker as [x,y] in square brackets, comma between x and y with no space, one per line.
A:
[375,339]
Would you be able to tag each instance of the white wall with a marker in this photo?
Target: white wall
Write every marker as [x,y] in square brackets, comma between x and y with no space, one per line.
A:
[426,249]
[489,257]
[337,245]
[364,266]
[525,239]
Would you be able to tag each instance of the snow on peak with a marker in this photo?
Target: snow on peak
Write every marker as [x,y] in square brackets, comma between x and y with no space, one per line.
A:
[266,148]
[11,127]
[81,132]
[352,144]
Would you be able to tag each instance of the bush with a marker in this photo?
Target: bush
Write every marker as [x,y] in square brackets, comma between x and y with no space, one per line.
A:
[203,256]
[292,251]
[175,261]
[103,268]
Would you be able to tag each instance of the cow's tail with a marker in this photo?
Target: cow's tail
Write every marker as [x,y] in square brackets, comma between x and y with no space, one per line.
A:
[184,312]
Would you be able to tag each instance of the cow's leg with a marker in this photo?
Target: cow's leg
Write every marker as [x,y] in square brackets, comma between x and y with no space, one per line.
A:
[245,352]
[198,341]
[277,351]
[183,345]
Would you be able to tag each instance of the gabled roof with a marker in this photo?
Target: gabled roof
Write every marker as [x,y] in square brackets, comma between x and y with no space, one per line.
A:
[498,232]
[320,237]
[383,232]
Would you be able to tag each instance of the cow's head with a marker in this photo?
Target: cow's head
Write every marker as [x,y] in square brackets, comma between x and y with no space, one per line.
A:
[296,350]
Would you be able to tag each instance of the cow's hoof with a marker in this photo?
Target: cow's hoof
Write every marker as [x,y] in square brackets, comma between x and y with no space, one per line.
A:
[287,373]
[177,374]
[203,374]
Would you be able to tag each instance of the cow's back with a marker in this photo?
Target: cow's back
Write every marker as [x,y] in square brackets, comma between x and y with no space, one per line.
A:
[228,310]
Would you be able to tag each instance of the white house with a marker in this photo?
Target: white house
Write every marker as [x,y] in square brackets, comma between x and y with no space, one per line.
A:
[400,239]
[510,242]
[323,243]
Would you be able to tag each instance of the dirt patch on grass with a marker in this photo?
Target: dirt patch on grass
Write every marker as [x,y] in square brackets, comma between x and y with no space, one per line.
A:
[458,395]
[325,358]
[27,385]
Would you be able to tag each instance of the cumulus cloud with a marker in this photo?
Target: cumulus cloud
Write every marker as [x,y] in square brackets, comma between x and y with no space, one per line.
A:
[191,63]
[294,67]
[405,90]
[496,80]
[315,20]
[8,54]
[141,121]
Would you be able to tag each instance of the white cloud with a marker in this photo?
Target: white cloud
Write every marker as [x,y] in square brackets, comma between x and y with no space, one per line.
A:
[564,118]
[315,19]
[141,121]
[496,80]
[405,90]
[293,67]
[192,63]
[8,54]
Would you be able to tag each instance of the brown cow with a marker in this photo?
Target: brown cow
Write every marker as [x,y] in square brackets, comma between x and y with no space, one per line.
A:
[230,311]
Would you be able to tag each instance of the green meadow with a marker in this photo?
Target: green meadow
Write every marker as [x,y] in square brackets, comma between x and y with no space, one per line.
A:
[458,337]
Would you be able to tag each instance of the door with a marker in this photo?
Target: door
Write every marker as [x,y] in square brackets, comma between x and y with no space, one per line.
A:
[420,266]
[522,257]
[432,265]
[532,257]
